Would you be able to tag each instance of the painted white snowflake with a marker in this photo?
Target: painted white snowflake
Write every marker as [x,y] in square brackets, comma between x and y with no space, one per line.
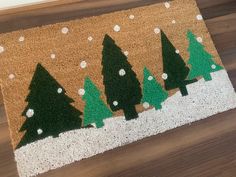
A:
[11,76]
[39,131]
[1,49]
[177,51]
[167,5]
[199,39]
[65,30]
[157,30]
[53,55]
[150,78]
[131,17]
[213,66]
[126,53]
[173,22]
[115,103]
[199,17]
[30,113]
[122,72]
[116,28]
[59,90]
[90,38]
[164,76]
[21,39]
[83,64]
[146,105]
[81,92]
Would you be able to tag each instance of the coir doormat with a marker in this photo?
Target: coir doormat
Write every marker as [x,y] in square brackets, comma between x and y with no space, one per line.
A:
[79,88]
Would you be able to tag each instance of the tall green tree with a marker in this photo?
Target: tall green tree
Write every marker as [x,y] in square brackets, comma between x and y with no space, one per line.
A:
[175,70]
[95,109]
[122,87]
[153,93]
[200,61]
[49,111]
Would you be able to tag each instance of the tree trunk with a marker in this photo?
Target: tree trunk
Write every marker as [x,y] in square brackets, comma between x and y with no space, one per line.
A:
[207,77]
[183,90]
[130,112]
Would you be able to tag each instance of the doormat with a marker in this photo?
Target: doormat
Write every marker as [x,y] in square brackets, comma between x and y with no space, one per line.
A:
[79,88]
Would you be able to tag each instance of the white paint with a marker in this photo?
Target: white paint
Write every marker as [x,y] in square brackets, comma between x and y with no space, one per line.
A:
[53,55]
[131,17]
[150,78]
[21,39]
[213,66]
[199,17]
[11,76]
[157,30]
[167,5]
[199,39]
[115,103]
[214,97]
[39,131]
[122,72]
[59,90]
[177,51]
[30,113]
[83,64]
[164,76]
[90,38]
[126,53]
[173,21]
[65,30]
[116,28]
[81,92]
[1,49]
[146,105]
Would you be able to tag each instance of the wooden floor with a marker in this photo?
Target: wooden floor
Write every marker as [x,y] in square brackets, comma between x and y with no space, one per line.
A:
[203,149]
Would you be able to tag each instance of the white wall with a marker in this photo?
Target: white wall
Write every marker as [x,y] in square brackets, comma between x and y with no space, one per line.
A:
[6,4]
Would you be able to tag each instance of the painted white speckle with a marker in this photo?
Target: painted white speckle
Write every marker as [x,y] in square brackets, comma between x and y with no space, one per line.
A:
[122,72]
[199,17]
[157,30]
[21,39]
[39,131]
[150,78]
[11,76]
[164,76]
[59,90]
[81,92]
[131,17]
[53,55]
[90,38]
[167,5]
[213,66]
[173,21]
[115,103]
[30,113]
[146,105]
[199,39]
[116,28]
[177,51]
[126,53]
[64,30]
[83,64]
[1,49]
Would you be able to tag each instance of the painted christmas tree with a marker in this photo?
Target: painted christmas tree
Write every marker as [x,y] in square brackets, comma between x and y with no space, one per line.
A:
[200,60]
[175,70]
[153,93]
[49,111]
[95,109]
[122,87]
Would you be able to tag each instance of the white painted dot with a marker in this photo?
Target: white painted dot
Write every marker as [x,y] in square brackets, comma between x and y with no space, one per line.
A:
[90,38]
[30,113]
[199,39]
[64,30]
[53,55]
[131,17]
[116,28]
[1,49]
[164,76]
[39,131]
[115,103]
[126,53]
[157,30]
[83,64]
[21,39]
[150,78]
[11,76]
[59,90]
[122,72]
[146,105]
[199,17]
[173,21]
[167,5]
[81,92]
[213,66]
[177,51]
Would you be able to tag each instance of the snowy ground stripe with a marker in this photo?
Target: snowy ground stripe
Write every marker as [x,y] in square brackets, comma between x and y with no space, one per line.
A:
[205,99]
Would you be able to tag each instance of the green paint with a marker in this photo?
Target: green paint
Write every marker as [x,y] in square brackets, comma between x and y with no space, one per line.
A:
[124,89]
[153,92]
[95,109]
[174,66]
[200,60]
[53,112]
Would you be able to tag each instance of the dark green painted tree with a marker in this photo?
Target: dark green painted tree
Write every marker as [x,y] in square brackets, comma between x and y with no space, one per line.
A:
[175,70]
[95,109]
[122,88]
[49,111]
[153,93]
[200,61]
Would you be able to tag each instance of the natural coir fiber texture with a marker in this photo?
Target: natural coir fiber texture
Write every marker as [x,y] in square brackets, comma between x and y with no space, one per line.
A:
[72,50]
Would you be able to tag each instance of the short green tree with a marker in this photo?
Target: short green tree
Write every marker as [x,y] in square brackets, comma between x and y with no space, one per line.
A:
[153,93]
[95,110]
[200,61]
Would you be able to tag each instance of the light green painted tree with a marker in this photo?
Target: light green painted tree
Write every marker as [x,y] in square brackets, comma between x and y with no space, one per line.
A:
[200,61]
[153,93]
[95,110]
